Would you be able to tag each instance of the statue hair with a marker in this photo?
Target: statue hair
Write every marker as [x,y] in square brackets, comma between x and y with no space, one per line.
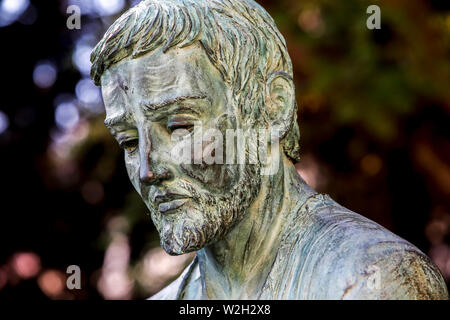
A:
[239,37]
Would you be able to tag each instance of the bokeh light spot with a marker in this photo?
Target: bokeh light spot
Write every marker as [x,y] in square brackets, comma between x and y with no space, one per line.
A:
[11,10]
[52,283]
[81,58]
[87,92]
[66,115]
[4,122]
[108,7]
[371,164]
[26,264]
[44,75]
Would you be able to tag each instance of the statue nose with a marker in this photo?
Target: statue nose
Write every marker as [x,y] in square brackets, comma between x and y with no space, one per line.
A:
[146,175]
[150,169]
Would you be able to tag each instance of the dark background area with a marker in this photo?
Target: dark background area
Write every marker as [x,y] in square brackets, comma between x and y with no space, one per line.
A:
[374,117]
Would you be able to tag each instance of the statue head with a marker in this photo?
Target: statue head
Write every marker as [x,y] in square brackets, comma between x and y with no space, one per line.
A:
[166,66]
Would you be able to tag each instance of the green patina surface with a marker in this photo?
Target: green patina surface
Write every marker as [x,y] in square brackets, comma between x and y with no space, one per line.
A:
[164,65]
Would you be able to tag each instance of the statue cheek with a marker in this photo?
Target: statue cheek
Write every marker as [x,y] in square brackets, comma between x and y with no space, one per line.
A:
[215,176]
[211,153]
[133,171]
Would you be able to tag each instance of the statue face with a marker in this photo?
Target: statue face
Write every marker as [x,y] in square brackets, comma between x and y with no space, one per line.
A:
[146,100]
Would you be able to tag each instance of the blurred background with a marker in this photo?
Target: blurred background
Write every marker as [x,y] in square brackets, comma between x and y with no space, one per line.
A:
[374,117]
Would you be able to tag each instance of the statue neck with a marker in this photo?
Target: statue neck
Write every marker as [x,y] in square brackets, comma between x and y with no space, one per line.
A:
[236,267]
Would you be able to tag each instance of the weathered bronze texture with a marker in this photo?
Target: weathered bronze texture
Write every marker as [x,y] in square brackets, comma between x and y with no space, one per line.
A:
[170,65]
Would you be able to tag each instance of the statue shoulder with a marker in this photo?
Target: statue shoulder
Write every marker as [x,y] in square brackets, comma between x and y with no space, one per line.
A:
[338,254]
[396,273]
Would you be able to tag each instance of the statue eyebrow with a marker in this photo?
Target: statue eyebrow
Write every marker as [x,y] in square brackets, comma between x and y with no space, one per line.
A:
[156,106]
[116,120]
[123,118]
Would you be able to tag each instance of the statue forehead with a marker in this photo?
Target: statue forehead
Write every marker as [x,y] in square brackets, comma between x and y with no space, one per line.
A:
[158,76]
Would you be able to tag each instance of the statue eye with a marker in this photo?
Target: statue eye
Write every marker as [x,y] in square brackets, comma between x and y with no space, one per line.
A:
[188,127]
[130,145]
[176,124]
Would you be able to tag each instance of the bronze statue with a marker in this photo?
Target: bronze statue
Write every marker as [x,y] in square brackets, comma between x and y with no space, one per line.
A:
[170,69]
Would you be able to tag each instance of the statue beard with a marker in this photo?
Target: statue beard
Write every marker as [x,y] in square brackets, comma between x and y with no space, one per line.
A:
[209,216]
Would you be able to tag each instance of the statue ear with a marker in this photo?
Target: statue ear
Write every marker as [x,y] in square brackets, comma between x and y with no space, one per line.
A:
[280,102]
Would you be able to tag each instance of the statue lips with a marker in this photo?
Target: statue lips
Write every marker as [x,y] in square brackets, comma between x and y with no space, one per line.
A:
[169,201]
[171,205]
